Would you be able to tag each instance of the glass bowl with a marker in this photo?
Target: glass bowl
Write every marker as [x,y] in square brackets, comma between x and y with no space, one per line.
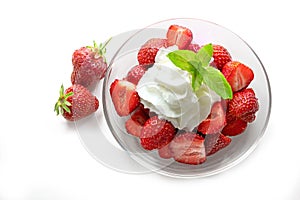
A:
[204,32]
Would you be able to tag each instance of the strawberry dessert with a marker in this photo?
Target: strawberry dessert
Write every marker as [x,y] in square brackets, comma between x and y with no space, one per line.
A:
[187,101]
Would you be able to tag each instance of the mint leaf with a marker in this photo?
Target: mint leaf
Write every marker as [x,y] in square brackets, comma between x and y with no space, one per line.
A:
[183,59]
[216,81]
[205,54]
[196,81]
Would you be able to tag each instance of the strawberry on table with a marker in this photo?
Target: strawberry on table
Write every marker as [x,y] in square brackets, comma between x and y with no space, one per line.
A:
[89,65]
[136,73]
[215,121]
[221,56]
[180,36]
[124,96]
[188,148]
[215,142]
[148,51]
[238,75]
[135,123]
[156,133]
[243,105]
[75,103]
[235,127]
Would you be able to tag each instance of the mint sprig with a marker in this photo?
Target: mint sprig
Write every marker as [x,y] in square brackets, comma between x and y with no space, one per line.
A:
[197,64]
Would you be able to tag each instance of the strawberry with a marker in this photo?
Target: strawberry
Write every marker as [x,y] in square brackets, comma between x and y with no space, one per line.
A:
[238,75]
[221,56]
[148,51]
[156,133]
[235,127]
[243,105]
[135,123]
[215,142]
[165,152]
[76,102]
[180,36]
[193,47]
[89,65]
[188,148]
[215,121]
[124,97]
[136,73]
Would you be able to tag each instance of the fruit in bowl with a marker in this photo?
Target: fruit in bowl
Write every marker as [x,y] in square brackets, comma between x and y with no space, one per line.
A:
[184,99]
[195,101]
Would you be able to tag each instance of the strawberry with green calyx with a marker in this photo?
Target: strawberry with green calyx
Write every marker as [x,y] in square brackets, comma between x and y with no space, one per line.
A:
[198,65]
[75,103]
[89,64]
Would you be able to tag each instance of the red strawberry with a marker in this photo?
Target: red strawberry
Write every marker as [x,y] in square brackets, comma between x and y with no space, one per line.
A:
[89,65]
[215,121]
[135,124]
[124,97]
[165,152]
[148,51]
[76,102]
[215,142]
[238,75]
[221,56]
[235,127]
[156,133]
[188,148]
[193,47]
[180,36]
[243,105]
[136,73]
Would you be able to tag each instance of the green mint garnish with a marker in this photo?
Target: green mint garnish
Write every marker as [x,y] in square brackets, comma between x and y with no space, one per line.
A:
[197,64]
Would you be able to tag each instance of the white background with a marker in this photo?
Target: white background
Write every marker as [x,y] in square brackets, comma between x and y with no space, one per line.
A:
[41,156]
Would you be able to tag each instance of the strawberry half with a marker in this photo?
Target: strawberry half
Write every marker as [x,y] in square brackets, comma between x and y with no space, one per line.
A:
[188,148]
[124,96]
[135,123]
[238,75]
[221,56]
[165,152]
[215,142]
[215,121]
[234,128]
[156,133]
[243,105]
[148,51]
[180,36]
[193,47]
[136,73]
[76,102]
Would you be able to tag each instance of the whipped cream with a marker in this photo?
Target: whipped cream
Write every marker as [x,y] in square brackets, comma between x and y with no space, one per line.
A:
[166,90]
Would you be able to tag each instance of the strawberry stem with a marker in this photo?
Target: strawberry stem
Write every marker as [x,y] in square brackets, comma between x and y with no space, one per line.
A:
[62,105]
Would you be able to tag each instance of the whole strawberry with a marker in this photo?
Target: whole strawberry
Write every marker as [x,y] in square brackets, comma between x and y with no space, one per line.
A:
[89,65]
[75,103]
[148,51]
[221,56]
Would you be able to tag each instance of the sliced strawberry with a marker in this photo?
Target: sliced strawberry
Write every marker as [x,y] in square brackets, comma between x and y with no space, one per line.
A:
[124,96]
[180,36]
[221,56]
[148,51]
[165,152]
[188,148]
[156,133]
[238,75]
[193,47]
[135,124]
[235,127]
[215,121]
[243,105]
[215,142]
[136,73]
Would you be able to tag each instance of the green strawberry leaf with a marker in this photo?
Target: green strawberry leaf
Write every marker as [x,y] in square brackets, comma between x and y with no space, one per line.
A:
[216,81]
[183,59]
[205,54]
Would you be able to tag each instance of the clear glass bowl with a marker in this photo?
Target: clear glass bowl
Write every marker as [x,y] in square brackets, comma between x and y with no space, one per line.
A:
[204,32]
